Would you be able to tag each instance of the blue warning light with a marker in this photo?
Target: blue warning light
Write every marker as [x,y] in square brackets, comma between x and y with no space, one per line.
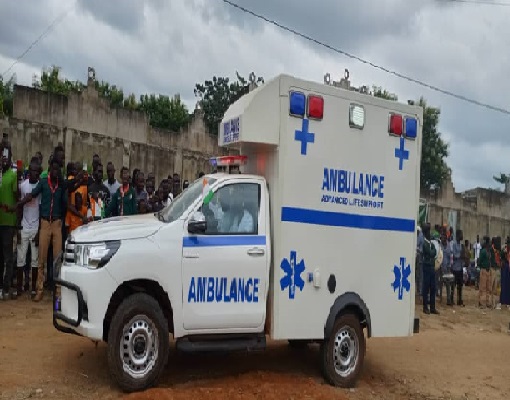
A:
[297,103]
[411,128]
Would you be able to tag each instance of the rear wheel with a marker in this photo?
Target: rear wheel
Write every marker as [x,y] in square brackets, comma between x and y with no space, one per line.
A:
[138,343]
[343,352]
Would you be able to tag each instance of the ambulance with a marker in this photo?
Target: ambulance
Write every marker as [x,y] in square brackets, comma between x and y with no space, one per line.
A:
[307,236]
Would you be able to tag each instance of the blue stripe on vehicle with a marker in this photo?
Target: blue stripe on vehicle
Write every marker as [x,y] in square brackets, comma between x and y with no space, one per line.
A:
[328,218]
[237,240]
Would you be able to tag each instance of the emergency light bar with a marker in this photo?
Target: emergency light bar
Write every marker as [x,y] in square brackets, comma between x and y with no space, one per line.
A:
[312,104]
[402,126]
[228,161]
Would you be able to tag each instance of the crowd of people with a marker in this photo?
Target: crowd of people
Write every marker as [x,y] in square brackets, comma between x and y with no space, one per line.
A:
[40,207]
[487,265]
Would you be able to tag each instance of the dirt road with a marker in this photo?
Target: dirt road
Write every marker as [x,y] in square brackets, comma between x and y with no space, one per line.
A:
[462,354]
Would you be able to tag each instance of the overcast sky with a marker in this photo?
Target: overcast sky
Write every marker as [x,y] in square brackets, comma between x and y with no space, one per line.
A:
[166,46]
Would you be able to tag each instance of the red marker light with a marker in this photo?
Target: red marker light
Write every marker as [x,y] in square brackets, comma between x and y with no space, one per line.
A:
[315,107]
[396,124]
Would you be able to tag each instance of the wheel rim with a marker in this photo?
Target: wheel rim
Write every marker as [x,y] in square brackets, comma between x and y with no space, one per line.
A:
[345,351]
[139,346]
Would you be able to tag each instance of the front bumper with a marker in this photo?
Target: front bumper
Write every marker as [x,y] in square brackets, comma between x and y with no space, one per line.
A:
[80,299]
[82,309]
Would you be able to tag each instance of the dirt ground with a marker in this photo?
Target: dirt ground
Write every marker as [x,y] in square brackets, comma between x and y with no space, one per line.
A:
[462,354]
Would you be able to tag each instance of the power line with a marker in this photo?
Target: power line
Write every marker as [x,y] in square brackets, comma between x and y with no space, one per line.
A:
[480,2]
[55,22]
[373,65]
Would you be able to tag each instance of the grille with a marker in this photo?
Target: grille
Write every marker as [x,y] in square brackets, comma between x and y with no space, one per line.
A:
[69,253]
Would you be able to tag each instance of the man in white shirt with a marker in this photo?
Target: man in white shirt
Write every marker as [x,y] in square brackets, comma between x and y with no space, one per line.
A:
[30,227]
[477,247]
[111,183]
[242,223]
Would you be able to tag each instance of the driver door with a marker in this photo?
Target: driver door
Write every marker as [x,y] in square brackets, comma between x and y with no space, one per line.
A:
[225,267]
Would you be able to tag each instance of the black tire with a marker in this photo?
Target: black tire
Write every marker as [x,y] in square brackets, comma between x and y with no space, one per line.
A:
[346,331]
[144,317]
[298,344]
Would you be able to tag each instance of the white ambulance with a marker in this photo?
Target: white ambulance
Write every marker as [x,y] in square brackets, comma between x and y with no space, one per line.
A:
[314,242]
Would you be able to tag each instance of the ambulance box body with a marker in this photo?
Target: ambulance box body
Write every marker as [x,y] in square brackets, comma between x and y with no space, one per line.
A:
[343,172]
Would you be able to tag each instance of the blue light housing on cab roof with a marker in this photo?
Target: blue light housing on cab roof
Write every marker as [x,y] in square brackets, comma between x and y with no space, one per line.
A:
[297,103]
[411,128]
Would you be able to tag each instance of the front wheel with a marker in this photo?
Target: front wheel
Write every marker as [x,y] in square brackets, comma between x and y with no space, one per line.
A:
[343,352]
[138,343]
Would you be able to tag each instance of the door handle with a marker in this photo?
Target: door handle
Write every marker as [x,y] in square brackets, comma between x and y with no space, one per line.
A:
[190,255]
[256,252]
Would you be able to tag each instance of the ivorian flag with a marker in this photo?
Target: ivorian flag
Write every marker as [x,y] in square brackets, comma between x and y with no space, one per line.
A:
[207,192]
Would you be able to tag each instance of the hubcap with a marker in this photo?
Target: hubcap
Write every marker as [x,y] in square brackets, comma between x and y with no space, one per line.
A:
[139,346]
[345,351]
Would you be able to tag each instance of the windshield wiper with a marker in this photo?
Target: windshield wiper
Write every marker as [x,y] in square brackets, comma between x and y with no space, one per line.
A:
[160,216]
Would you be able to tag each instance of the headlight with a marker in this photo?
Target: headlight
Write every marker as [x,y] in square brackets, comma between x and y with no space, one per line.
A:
[95,255]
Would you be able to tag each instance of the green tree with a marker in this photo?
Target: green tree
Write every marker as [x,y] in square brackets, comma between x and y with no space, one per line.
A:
[218,94]
[434,150]
[110,92]
[164,112]
[130,102]
[51,81]
[6,95]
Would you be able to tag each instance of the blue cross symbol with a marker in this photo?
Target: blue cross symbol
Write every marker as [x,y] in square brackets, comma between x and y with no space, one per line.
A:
[304,136]
[402,282]
[401,153]
[292,277]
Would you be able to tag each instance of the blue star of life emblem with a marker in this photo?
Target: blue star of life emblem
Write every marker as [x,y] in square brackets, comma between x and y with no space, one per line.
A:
[293,271]
[401,282]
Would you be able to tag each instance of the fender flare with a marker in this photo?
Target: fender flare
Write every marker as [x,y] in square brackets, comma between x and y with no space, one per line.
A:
[348,300]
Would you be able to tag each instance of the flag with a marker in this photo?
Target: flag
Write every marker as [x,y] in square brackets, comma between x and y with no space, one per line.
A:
[207,193]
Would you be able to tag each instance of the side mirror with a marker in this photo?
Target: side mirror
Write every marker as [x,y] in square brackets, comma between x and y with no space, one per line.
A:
[197,224]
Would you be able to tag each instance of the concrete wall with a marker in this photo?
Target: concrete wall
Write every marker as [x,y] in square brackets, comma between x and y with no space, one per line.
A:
[479,211]
[86,125]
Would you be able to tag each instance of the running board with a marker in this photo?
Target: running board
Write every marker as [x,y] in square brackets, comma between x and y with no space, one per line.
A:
[221,343]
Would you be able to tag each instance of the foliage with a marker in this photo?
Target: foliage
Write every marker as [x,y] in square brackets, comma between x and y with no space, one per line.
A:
[434,169]
[164,112]
[378,91]
[51,81]
[502,178]
[217,95]
[130,102]
[114,95]
[6,95]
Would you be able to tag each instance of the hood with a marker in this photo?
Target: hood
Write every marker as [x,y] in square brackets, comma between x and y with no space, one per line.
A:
[118,228]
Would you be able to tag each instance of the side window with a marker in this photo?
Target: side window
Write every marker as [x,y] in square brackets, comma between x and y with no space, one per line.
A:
[234,209]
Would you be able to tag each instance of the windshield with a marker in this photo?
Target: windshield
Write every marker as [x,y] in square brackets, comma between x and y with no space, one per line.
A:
[181,203]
